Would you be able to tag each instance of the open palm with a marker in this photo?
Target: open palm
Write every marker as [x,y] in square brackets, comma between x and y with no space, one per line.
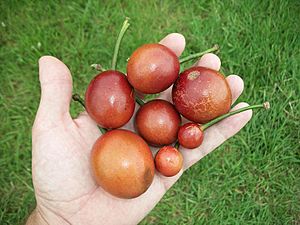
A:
[65,190]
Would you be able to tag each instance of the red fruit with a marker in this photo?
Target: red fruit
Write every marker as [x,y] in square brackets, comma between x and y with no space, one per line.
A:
[201,94]
[109,99]
[168,161]
[152,68]
[122,163]
[190,135]
[158,122]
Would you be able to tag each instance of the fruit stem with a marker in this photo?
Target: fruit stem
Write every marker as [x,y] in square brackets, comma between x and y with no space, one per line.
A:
[102,130]
[139,100]
[265,105]
[76,97]
[117,46]
[177,145]
[198,54]
[98,67]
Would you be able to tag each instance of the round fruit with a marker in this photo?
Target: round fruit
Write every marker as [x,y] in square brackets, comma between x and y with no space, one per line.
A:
[158,122]
[201,94]
[190,135]
[152,68]
[122,163]
[109,99]
[168,161]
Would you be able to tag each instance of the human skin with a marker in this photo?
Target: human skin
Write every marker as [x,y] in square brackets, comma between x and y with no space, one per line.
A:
[65,190]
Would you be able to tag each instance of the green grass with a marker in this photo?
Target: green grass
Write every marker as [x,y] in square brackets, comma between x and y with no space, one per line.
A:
[252,179]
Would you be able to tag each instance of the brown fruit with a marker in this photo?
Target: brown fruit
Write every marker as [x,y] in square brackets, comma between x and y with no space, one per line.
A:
[201,94]
[109,99]
[122,163]
[158,122]
[190,135]
[168,161]
[152,68]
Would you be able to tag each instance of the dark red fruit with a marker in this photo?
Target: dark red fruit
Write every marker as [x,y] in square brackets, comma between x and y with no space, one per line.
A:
[201,94]
[168,161]
[158,122]
[152,68]
[190,135]
[109,99]
[122,163]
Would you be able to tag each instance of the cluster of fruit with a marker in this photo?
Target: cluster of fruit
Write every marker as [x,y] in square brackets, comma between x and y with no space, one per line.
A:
[122,161]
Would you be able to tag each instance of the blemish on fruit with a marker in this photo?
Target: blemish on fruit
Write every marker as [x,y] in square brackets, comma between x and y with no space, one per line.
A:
[148,177]
[193,75]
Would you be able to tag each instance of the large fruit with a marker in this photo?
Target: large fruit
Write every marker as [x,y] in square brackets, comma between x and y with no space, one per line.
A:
[152,68]
[122,163]
[201,94]
[158,122]
[109,99]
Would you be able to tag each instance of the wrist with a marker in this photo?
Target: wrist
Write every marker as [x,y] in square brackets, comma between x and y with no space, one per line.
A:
[39,217]
[36,218]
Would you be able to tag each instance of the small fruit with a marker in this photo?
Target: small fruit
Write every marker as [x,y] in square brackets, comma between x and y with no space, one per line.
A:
[201,94]
[122,163]
[109,99]
[190,135]
[158,122]
[168,161]
[152,68]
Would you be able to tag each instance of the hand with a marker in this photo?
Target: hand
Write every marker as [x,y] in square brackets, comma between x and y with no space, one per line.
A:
[65,190]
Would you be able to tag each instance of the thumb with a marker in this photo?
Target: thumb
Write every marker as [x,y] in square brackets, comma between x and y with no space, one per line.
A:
[56,90]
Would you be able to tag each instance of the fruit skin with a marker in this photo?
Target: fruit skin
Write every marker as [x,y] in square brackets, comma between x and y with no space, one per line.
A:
[168,161]
[190,135]
[158,122]
[152,68]
[201,94]
[109,99]
[122,163]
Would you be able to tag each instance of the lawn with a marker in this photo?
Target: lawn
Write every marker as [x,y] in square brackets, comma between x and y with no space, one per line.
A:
[252,179]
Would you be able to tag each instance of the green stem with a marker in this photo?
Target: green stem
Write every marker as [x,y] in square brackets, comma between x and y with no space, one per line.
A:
[76,97]
[265,105]
[198,54]
[102,130]
[177,145]
[139,100]
[117,46]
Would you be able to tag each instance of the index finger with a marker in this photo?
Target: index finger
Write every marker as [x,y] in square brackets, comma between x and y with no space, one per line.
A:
[175,42]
